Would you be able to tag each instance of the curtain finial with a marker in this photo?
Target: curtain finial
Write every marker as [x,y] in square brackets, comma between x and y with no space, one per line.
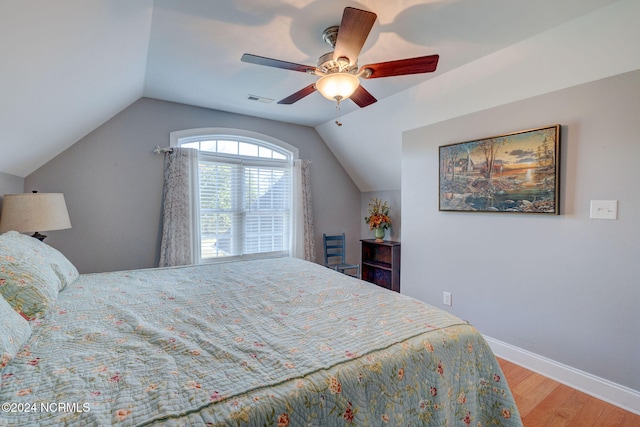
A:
[159,150]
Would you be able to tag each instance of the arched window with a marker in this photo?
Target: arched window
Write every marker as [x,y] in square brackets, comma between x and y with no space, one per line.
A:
[244,200]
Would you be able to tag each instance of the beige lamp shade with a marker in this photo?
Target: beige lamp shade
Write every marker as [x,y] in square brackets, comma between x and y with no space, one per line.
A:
[32,212]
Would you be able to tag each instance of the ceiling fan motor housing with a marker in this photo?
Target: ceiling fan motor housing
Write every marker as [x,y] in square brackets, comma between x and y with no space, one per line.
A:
[327,65]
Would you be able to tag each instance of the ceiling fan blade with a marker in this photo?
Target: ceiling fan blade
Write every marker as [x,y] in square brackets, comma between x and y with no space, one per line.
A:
[401,67]
[298,95]
[261,60]
[362,97]
[354,30]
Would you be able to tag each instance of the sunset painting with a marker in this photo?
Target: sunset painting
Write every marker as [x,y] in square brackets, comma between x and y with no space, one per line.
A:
[517,172]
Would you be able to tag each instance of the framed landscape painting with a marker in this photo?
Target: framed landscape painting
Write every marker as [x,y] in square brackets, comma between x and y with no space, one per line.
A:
[517,172]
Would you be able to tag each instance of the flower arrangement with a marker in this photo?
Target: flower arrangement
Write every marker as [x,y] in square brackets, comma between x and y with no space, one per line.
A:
[378,215]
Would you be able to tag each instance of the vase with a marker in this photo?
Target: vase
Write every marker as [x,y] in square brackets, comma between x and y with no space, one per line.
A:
[379,234]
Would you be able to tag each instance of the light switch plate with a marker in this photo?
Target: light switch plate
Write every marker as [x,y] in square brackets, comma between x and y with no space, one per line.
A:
[604,209]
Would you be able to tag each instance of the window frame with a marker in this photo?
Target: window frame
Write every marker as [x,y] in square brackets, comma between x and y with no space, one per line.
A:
[178,138]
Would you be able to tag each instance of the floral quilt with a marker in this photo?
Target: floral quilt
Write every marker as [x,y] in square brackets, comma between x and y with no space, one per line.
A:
[278,342]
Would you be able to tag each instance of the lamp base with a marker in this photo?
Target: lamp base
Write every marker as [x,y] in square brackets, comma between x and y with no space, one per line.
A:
[39,236]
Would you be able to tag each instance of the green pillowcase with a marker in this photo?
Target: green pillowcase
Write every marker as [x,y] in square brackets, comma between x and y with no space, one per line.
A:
[14,331]
[32,273]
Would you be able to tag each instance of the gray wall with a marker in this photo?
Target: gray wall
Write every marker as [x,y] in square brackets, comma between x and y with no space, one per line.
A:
[565,287]
[10,184]
[113,184]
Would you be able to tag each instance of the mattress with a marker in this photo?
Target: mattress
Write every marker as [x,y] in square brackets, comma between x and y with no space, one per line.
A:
[272,342]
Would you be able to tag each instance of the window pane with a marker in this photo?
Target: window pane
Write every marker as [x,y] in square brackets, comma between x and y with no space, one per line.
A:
[247,149]
[208,146]
[191,145]
[265,152]
[215,235]
[279,156]
[264,232]
[218,218]
[228,147]
[217,186]
[267,199]
[265,188]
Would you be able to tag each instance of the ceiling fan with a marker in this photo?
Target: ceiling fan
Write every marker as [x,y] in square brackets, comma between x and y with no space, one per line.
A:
[338,70]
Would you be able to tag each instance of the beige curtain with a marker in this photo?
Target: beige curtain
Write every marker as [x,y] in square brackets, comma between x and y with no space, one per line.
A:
[180,184]
[303,236]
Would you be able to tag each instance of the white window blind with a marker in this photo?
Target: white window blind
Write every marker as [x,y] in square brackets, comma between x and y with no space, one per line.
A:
[244,209]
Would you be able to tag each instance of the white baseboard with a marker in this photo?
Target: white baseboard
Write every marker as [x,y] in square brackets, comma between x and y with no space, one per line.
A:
[616,394]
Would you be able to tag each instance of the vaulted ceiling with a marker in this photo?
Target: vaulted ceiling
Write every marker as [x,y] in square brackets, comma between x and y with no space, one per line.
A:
[67,66]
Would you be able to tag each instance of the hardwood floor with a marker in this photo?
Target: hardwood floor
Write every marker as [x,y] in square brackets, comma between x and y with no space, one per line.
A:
[543,402]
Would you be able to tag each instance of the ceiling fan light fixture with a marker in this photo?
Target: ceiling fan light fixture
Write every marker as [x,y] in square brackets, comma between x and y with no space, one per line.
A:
[337,86]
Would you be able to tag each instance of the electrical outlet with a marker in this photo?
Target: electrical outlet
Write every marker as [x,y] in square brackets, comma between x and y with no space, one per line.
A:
[446,298]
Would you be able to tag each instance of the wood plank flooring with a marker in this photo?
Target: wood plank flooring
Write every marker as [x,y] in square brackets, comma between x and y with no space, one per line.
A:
[543,402]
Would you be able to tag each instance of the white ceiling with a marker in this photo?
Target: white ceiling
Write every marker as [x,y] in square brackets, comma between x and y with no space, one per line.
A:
[67,66]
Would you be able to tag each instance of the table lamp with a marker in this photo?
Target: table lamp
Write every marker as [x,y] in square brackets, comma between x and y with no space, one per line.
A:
[34,212]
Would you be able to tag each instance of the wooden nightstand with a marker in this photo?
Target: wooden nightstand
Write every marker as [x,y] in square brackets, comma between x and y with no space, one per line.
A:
[381,263]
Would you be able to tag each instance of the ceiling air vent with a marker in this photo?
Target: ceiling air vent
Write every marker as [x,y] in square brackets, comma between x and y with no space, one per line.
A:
[259,99]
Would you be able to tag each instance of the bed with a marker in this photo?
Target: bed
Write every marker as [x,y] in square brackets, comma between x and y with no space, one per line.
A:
[271,342]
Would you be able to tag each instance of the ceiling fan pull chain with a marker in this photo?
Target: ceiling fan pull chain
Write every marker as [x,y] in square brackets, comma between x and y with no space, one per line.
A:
[338,122]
